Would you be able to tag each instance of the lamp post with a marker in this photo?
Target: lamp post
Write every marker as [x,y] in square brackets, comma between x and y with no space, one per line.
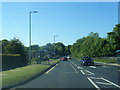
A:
[54,43]
[30,32]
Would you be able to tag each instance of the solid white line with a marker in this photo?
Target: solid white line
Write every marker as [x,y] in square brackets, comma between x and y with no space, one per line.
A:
[89,72]
[93,83]
[51,69]
[111,82]
[74,68]
[82,72]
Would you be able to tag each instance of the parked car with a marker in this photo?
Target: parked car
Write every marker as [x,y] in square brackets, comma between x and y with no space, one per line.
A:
[87,61]
[64,59]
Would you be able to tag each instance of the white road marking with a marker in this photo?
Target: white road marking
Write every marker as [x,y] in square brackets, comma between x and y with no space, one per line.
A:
[74,68]
[111,82]
[89,72]
[76,65]
[82,72]
[118,70]
[51,69]
[95,78]
[93,83]
[92,66]
[12,88]
[103,83]
[79,67]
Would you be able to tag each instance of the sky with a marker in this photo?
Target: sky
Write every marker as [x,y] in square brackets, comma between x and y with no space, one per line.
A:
[69,20]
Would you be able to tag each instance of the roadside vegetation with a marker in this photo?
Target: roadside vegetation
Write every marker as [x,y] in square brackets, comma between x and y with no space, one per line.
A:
[95,46]
[17,75]
[106,60]
[17,66]
[20,74]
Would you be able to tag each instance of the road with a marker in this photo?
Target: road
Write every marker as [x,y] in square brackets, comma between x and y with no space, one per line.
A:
[70,74]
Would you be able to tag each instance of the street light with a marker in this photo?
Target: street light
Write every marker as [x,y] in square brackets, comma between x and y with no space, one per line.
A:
[30,32]
[54,43]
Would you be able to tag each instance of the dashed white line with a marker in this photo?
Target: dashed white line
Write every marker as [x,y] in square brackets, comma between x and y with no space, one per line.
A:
[75,65]
[93,83]
[82,72]
[111,82]
[74,68]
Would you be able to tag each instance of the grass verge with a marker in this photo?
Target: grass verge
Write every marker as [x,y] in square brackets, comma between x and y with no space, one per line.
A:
[20,74]
[106,60]
[52,61]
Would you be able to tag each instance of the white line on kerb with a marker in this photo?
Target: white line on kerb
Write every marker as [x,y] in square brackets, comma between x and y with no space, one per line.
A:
[51,69]
[93,83]
[111,82]
[74,68]
[82,72]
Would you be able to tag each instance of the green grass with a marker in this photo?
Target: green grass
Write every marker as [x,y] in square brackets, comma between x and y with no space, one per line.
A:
[19,74]
[105,60]
[52,61]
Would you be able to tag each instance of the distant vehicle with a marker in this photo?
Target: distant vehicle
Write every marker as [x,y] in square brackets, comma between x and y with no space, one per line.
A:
[69,57]
[64,59]
[87,61]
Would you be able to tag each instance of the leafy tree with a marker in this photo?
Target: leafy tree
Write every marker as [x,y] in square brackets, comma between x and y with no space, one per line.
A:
[114,37]
[15,47]
[67,49]
[3,44]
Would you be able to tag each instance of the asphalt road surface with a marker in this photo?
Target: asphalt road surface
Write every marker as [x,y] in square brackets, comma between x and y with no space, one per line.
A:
[70,74]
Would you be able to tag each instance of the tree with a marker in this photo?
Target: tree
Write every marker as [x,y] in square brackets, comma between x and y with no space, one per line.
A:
[59,48]
[92,34]
[4,43]
[14,47]
[114,37]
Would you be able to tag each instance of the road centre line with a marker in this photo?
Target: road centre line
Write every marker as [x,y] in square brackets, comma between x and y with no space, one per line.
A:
[51,69]
[74,69]
[76,65]
[111,82]
[82,72]
[93,83]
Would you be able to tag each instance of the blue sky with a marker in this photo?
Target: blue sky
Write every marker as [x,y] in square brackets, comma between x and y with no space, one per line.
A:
[69,20]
